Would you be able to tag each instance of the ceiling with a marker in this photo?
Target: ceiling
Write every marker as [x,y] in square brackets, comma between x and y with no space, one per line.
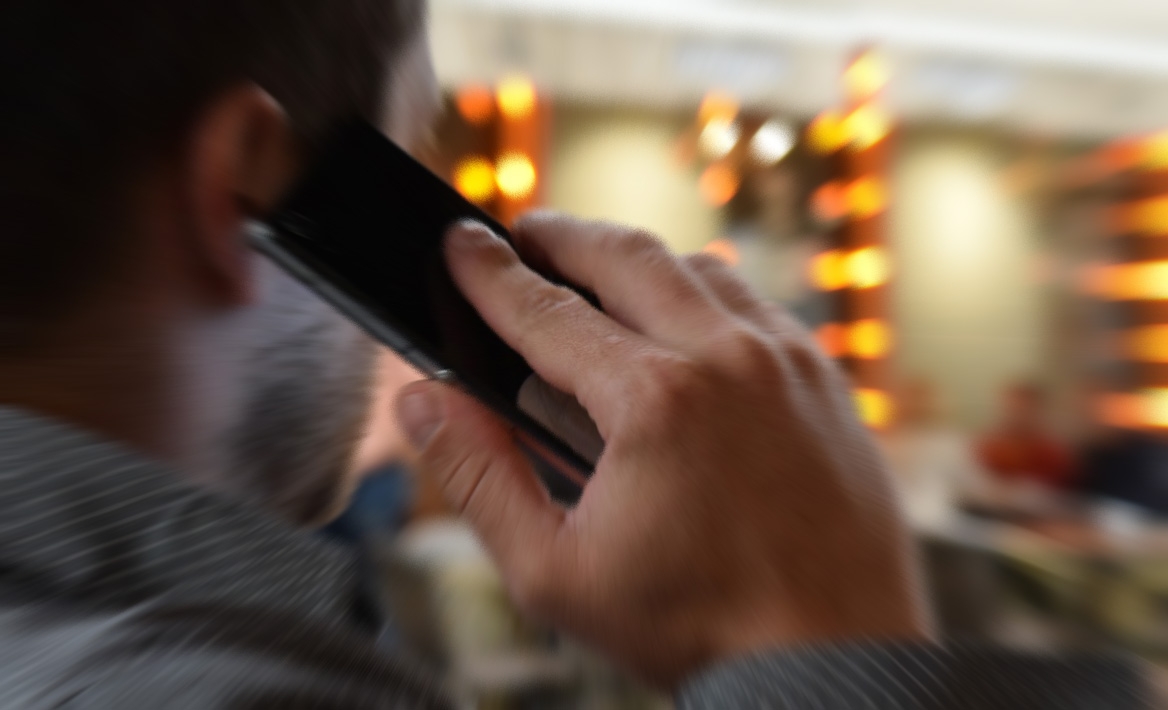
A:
[1067,68]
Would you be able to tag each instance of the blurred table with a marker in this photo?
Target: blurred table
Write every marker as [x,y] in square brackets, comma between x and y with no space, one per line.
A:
[1102,568]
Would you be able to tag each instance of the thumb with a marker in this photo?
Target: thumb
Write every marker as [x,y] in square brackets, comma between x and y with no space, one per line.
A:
[465,448]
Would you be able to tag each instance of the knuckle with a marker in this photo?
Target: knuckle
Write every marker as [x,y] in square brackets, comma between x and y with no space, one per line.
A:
[668,381]
[637,244]
[544,302]
[704,263]
[750,352]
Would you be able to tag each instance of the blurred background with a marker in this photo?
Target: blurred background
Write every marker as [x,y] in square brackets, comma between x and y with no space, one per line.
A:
[966,202]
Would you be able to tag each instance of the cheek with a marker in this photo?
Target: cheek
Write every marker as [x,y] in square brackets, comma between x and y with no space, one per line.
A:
[414,100]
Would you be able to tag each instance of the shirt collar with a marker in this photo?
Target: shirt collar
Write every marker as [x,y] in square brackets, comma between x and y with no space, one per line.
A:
[87,518]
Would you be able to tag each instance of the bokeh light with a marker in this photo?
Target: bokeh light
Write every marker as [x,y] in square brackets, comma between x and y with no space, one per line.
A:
[868,267]
[1124,411]
[866,198]
[869,339]
[718,138]
[719,184]
[1142,281]
[866,76]
[718,106]
[828,271]
[866,126]
[516,96]
[772,142]
[875,407]
[475,103]
[827,133]
[1155,407]
[474,178]
[830,202]
[832,339]
[1154,152]
[1148,344]
[723,249]
[1146,216]
[516,176]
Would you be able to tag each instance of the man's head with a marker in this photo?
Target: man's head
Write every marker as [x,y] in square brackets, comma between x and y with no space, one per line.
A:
[137,138]
[1023,405]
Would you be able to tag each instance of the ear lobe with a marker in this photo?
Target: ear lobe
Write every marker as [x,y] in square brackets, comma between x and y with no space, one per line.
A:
[242,159]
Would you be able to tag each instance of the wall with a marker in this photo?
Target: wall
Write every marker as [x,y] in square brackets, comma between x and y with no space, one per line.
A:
[969,312]
[622,166]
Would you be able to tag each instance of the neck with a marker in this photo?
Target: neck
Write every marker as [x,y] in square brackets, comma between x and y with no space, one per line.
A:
[112,383]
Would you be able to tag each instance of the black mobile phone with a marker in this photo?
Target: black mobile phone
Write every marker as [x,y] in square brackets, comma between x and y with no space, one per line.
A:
[364,230]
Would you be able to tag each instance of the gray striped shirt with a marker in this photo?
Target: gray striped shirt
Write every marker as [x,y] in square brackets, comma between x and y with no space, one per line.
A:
[121,586]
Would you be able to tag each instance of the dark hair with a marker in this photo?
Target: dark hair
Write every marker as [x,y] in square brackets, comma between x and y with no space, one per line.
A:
[94,90]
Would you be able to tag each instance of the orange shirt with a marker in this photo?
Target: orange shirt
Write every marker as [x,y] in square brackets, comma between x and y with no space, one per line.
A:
[1034,457]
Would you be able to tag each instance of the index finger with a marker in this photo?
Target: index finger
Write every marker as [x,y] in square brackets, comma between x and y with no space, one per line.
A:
[570,344]
[637,279]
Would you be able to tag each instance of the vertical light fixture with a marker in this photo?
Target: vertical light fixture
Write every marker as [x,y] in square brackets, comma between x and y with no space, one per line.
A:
[523,120]
[1138,283]
[856,138]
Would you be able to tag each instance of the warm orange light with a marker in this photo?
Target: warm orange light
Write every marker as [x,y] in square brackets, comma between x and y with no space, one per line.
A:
[832,337]
[1097,280]
[1154,406]
[866,198]
[724,249]
[1145,216]
[717,106]
[515,176]
[1123,411]
[1120,156]
[1148,344]
[830,202]
[475,179]
[1154,152]
[869,339]
[516,96]
[866,76]
[827,133]
[828,271]
[868,267]
[1146,281]
[866,126]
[719,184]
[875,407]
[475,104]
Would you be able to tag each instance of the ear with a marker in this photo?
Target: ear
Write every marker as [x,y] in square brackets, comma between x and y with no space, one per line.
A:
[242,158]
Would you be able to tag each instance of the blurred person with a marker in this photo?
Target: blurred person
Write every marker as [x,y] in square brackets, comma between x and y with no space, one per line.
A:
[1020,451]
[177,412]
[932,461]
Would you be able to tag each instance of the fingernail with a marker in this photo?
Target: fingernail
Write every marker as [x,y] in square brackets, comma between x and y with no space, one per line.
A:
[468,233]
[420,414]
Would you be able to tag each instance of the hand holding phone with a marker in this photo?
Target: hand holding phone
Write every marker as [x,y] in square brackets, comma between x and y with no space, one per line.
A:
[738,506]
[365,230]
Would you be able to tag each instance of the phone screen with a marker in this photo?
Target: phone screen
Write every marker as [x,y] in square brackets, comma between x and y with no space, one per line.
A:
[368,222]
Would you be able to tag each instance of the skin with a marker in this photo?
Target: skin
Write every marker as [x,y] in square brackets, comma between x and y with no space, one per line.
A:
[738,505]
[200,353]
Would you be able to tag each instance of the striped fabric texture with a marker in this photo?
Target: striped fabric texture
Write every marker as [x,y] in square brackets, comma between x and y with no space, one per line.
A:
[121,586]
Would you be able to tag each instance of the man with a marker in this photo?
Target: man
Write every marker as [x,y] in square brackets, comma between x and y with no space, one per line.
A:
[174,405]
[1020,450]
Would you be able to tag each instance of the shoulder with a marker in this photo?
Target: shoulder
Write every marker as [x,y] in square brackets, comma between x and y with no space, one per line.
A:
[161,656]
